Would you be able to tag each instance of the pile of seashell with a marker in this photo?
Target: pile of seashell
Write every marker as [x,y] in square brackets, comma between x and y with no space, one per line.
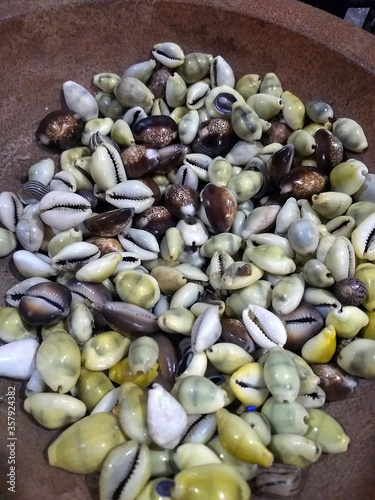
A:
[198,280]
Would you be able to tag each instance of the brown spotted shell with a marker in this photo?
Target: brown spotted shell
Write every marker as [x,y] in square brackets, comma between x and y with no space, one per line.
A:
[155,131]
[158,82]
[156,220]
[60,130]
[215,137]
[181,201]
[303,182]
[139,160]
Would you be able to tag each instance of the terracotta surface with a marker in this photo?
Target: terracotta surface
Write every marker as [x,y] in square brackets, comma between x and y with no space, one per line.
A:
[44,43]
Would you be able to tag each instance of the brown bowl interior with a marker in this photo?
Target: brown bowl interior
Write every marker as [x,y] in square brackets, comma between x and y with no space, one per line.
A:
[315,55]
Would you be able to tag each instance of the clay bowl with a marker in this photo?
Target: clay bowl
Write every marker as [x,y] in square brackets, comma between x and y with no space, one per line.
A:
[316,56]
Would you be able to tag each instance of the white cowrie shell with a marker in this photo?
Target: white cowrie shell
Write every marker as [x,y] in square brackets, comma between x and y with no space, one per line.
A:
[140,242]
[130,194]
[206,330]
[42,171]
[79,100]
[63,181]
[169,54]
[32,265]
[187,295]
[264,327]
[221,73]
[107,168]
[14,294]
[11,210]
[166,418]
[193,231]
[17,359]
[62,210]
[30,232]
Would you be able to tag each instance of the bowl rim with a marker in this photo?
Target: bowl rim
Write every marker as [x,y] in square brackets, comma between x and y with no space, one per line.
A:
[339,35]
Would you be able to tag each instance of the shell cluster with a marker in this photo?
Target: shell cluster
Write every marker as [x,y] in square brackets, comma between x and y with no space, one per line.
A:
[199,280]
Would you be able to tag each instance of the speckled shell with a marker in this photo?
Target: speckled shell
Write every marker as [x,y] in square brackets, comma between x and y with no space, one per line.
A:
[303,182]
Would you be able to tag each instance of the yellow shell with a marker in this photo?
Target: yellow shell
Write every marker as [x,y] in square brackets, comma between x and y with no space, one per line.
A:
[240,440]
[104,350]
[92,386]
[212,481]
[294,449]
[58,361]
[228,357]
[54,410]
[366,273]
[137,288]
[293,110]
[143,354]
[326,431]
[321,347]
[12,326]
[99,270]
[271,259]
[348,177]
[248,471]
[331,204]
[248,85]
[194,454]
[83,446]
[259,293]
[347,321]
[368,332]
[121,373]
[176,320]
[133,412]
[248,384]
